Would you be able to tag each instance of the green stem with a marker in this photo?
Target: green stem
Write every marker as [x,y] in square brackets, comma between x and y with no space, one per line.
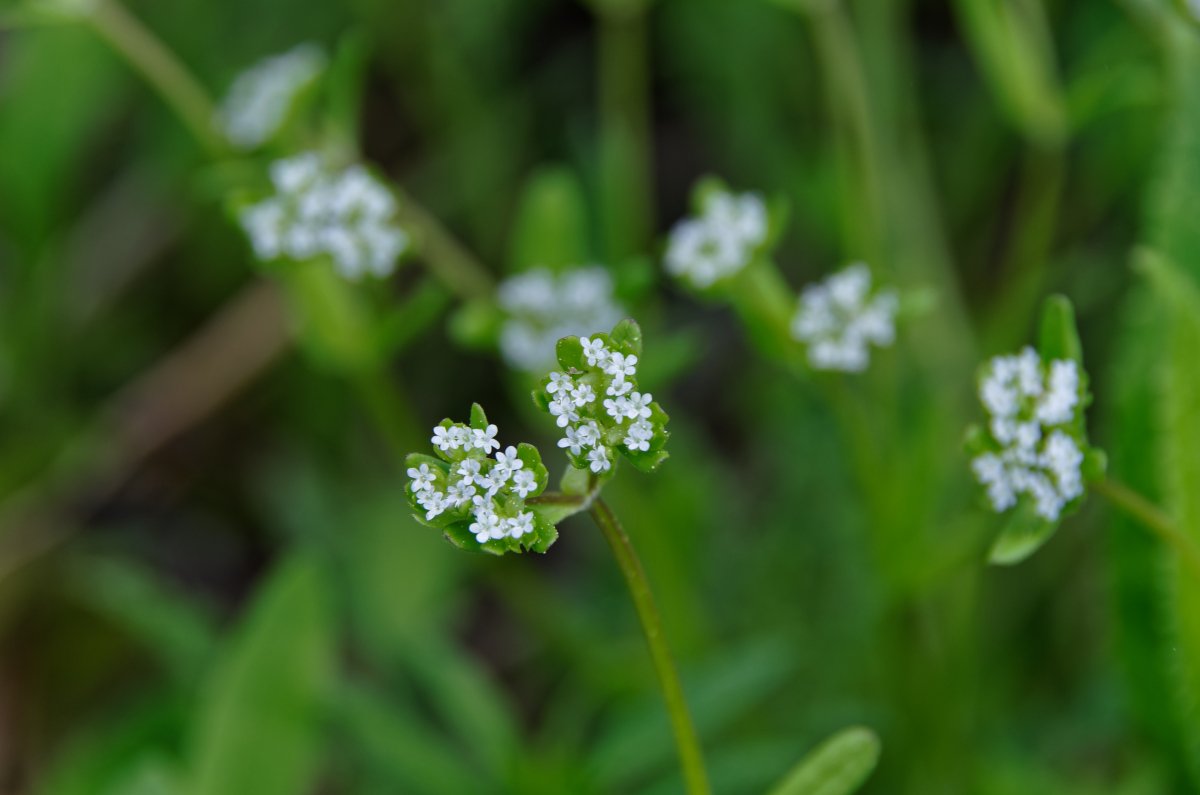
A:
[691,758]
[447,260]
[1152,518]
[160,68]
[625,128]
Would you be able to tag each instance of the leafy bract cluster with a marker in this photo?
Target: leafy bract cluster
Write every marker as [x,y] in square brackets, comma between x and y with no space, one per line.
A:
[542,307]
[1035,419]
[840,318]
[260,98]
[1033,455]
[724,237]
[346,214]
[476,498]
[594,397]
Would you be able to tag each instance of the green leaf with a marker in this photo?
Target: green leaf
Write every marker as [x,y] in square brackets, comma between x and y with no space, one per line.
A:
[576,481]
[1059,338]
[551,229]
[838,766]
[626,337]
[554,508]
[479,420]
[569,353]
[258,728]
[1023,534]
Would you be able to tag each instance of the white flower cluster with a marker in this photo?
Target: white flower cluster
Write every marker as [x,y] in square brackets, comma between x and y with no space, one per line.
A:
[601,408]
[838,319]
[720,242]
[543,308]
[260,98]
[489,492]
[348,215]
[1030,408]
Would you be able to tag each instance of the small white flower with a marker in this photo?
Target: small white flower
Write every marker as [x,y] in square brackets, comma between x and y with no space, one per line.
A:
[582,395]
[434,503]
[485,439]
[620,366]
[617,408]
[1058,401]
[589,433]
[260,99]
[638,405]
[598,460]
[838,320]
[572,441]
[563,409]
[487,525]
[493,481]
[460,493]
[467,471]
[559,381]
[524,482]
[422,477]
[639,435]
[519,525]
[508,462]
[444,439]
[618,388]
[595,352]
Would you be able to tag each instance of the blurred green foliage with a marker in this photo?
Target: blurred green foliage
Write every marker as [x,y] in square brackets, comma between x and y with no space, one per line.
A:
[244,604]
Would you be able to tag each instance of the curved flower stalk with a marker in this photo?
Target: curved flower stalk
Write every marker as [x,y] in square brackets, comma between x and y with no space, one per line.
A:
[839,319]
[476,493]
[496,503]
[261,98]
[542,306]
[346,214]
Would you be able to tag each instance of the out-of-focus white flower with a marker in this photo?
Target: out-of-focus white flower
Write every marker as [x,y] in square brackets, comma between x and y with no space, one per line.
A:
[542,307]
[839,319]
[1031,408]
[261,97]
[348,215]
[718,243]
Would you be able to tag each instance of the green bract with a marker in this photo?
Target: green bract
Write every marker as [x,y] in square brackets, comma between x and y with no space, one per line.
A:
[480,501]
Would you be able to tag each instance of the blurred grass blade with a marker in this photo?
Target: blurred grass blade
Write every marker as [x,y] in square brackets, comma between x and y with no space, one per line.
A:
[551,228]
[1180,417]
[398,749]
[1014,50]
[836,767]
[1059,338]
[259,724]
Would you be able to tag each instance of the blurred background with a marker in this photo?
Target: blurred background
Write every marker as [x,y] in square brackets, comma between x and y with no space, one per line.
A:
[210,581]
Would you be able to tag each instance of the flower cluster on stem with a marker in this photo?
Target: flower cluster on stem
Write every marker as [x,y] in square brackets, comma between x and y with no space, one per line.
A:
[1033,446]
[840,318]
[542,307]
[475,491]
[347,215]
[720,241]
[595,399]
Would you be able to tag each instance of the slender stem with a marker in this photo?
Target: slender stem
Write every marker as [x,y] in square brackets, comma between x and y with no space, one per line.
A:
[161,69]
[448,260]
[1152,518]
[691,758]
